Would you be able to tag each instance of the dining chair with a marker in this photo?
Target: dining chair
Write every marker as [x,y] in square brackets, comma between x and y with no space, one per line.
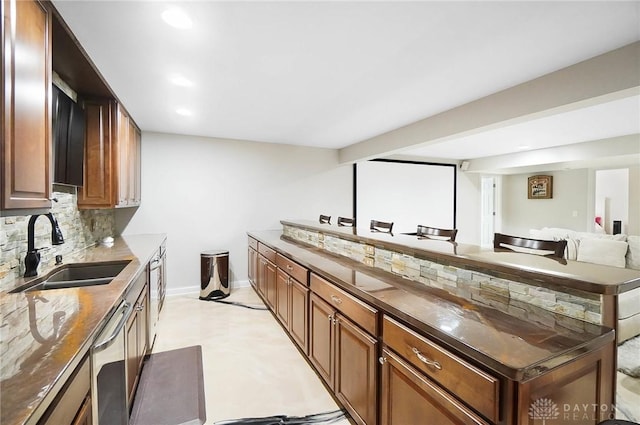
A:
[346,222]
[505,242]
[381,226]
[325,219]
[426,232]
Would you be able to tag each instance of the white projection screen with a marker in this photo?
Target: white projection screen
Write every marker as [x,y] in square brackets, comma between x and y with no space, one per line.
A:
[405,193]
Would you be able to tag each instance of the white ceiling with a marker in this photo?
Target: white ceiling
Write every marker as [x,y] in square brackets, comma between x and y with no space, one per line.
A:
[330,74]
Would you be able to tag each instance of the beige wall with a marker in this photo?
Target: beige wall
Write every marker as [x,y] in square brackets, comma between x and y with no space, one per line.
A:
[572,193]
[207,193]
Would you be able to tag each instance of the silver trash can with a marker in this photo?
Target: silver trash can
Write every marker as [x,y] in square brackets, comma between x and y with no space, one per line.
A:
[214,275]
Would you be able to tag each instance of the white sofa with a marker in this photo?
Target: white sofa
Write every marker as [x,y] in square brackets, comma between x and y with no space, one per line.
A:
[612,250]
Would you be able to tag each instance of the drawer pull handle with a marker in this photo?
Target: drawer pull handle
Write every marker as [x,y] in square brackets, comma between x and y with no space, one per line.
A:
[425,360]
[336,299]
[289,267]
[382,360]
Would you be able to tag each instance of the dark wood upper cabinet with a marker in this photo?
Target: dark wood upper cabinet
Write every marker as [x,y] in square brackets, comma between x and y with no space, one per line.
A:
[112,159]
[25,122]
[98,191]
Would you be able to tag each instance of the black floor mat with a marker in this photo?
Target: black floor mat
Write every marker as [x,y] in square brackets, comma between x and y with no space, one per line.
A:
[171,389]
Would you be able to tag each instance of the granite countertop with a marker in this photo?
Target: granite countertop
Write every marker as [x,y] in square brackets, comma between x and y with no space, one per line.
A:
[519,346]
[534,269]
[45,334]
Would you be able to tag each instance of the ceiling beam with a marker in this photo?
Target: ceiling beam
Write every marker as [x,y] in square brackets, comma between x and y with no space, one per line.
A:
[625,148]
[610,76]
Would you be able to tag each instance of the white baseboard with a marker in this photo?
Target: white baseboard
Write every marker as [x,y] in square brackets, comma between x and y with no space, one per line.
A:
[187,290]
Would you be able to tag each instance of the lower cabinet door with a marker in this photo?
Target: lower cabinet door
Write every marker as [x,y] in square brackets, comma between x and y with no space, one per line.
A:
[252,266]
[84,414]
[409,397]
[355,373]
[282,298]
[132,356]
[261,278]
[270,284]
[321,348]
[298,313]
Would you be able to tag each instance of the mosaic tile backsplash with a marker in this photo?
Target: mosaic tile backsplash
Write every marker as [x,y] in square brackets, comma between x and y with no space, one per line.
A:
[80,228]
[509,295]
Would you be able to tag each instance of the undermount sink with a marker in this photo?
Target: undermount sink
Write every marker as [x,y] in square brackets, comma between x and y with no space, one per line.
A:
[76,275]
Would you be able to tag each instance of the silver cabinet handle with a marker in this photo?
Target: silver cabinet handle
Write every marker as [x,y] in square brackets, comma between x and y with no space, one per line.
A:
[139,307]
[336,299]
[289,267]
[382,360]
[425,360]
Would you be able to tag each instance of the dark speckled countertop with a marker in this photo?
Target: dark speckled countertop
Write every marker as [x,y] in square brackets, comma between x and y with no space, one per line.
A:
[511,346]
[36,360]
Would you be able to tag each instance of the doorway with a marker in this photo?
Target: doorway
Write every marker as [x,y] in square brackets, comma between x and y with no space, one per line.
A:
[612,199]
[487,211]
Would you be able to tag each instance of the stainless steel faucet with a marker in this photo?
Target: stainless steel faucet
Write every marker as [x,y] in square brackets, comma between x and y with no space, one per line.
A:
[32,259]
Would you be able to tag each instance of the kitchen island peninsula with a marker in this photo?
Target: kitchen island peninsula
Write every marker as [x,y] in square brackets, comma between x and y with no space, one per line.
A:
[402,329]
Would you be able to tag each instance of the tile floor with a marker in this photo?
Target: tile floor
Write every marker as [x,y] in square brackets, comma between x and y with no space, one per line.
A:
[251,367]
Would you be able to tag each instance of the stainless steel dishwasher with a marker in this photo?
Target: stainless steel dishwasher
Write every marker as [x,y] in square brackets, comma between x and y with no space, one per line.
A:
[108,370]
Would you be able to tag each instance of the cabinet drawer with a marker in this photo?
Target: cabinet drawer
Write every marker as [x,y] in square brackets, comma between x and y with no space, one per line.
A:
[362,314]
[408,397]
[470,384]
[253,243]
[267,252]
[67,404]
[292,268]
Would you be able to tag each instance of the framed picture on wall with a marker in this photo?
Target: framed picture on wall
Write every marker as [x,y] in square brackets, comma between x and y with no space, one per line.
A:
[540,187]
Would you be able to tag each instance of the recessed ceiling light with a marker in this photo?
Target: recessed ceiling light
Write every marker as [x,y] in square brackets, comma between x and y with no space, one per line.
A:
[181,81]
[183,111]
[177,18]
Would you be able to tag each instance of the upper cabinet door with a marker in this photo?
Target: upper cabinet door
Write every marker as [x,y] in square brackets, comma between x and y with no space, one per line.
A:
[112,157]
[25,146]
[98,189]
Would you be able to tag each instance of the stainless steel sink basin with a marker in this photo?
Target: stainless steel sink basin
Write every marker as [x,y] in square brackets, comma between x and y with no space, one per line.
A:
[76,275]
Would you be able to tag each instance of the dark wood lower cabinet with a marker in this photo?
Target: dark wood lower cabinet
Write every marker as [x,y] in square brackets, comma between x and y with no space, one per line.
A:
[282,297]
[355,370]
[298,314]
[270,284]
[345,357]
[416,379]
[321,337]
[73,405]
[253,266]
[291,308]
[409,397]
[267,281]
[580,390]
[84,416]
[136,342]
